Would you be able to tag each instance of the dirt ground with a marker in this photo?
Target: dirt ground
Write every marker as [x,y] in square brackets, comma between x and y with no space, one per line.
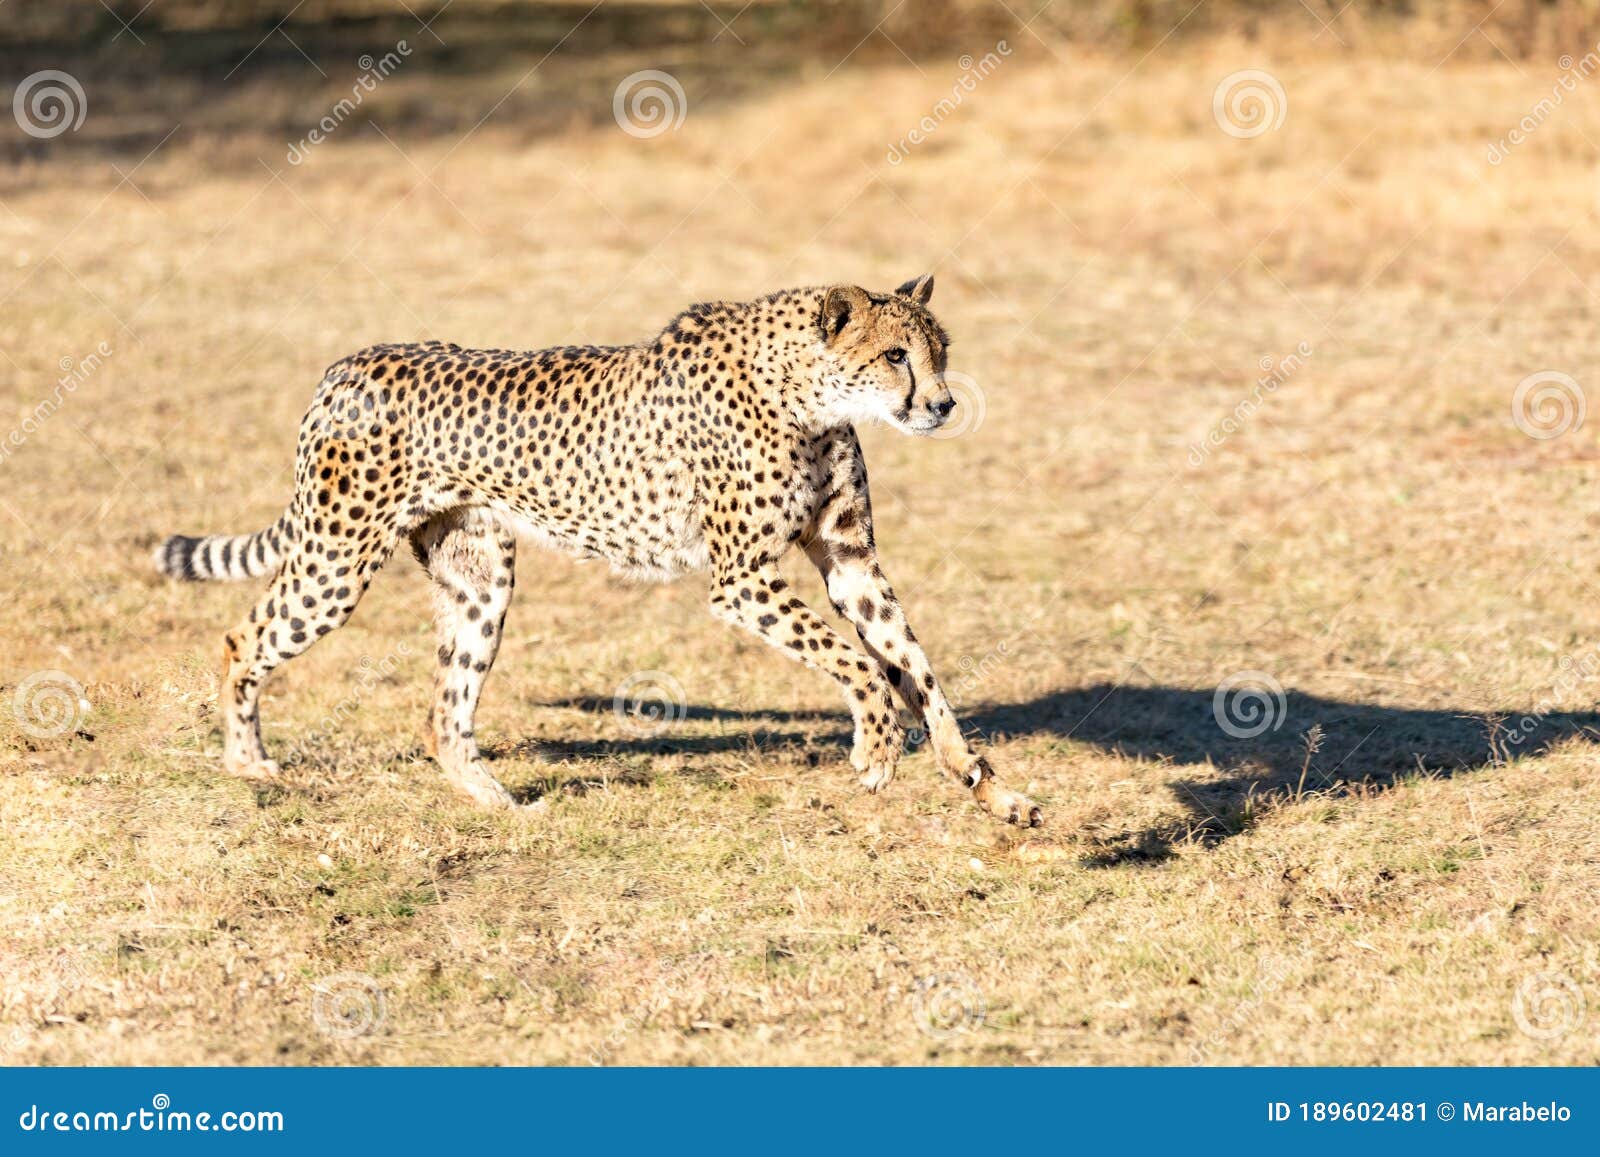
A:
[1266,560]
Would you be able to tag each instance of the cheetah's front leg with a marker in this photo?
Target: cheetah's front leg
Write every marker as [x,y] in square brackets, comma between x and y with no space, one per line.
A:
[840,543]
[865,597]
[758,600]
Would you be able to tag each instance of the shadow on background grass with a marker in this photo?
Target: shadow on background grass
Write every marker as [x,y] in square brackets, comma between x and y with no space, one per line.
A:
[251,81]
[1356,748]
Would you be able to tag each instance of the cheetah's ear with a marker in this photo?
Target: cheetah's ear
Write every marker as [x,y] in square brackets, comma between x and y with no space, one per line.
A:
[918,289]
[839,305]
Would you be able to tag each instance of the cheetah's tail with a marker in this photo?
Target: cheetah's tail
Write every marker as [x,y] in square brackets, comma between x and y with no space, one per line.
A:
[222,557]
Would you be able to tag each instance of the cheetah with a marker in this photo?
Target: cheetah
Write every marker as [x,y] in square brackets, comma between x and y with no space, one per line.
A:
[716,445]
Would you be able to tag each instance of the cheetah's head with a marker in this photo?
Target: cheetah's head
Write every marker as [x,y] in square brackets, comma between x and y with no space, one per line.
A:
[884,357]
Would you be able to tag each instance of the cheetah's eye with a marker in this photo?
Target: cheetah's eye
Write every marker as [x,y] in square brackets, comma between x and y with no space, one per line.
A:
[896,357]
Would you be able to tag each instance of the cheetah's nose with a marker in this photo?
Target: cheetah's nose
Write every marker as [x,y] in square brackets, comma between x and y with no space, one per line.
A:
[943,406]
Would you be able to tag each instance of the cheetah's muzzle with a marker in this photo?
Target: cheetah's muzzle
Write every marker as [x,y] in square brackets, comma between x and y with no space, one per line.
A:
[716,445]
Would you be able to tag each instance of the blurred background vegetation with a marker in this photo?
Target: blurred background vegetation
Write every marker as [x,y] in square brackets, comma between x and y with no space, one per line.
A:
[240,73]
[1519,27]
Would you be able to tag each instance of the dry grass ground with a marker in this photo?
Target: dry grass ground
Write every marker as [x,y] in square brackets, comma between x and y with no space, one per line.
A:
[1378,537]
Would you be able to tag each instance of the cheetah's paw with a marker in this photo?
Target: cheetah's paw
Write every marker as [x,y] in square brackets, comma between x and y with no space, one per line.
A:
[877,776]
[474,780]
[1011,806]
[261,769]
[875,761]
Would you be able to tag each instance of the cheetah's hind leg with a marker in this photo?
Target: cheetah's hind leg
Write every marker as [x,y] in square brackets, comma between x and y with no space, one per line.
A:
[470,553]
[308,597]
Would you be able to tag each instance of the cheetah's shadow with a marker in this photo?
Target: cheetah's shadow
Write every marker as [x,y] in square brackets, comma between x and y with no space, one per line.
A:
[1234,781]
